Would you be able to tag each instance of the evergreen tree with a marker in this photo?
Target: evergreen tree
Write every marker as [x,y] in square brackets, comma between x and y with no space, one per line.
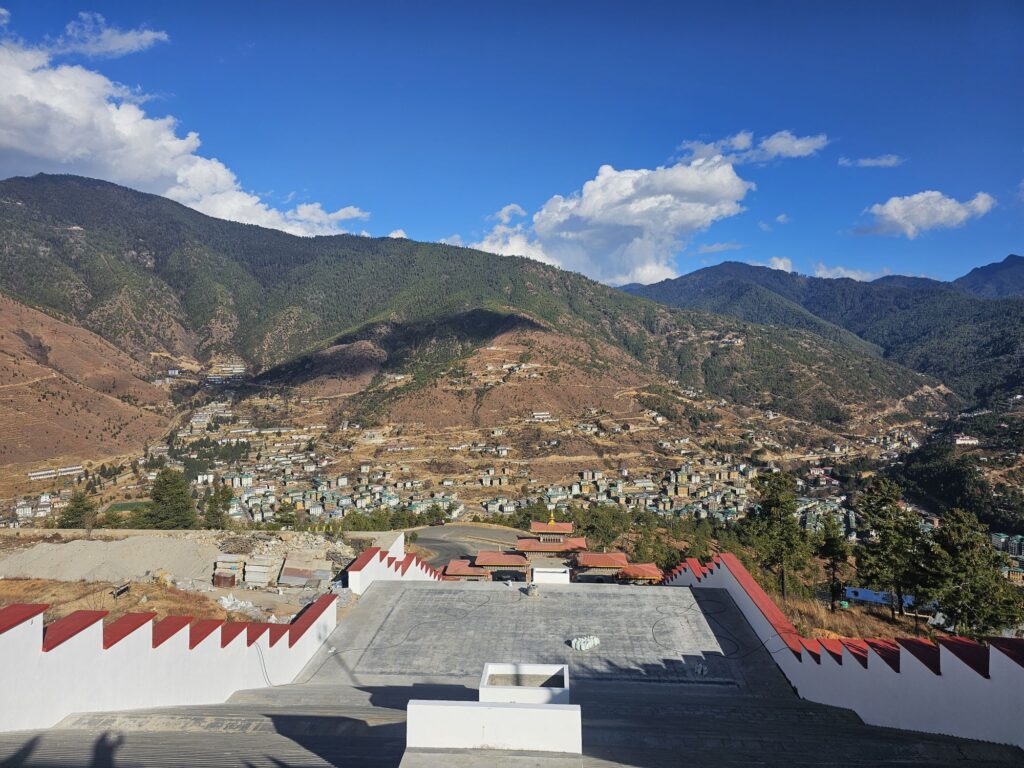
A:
[781,545]
[896,553]
[834,549]
[215,509]
[700,541]
[79,513]
[171,505]
[285,515]
[972,593]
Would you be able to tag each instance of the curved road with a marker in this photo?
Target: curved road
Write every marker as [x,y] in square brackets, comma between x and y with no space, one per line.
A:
[454,540]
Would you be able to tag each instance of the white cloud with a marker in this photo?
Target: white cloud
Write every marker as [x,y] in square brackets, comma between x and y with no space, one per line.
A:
[59,118]
[775,262]
[782,218]
[913,214]
[863,275]
[90,35]
[718,247]
[455,239]
[398,233]
[764,226]
[628,225]
[785,144]
[882,161]
[624,225]
[5,17]
[740,147]
[510,211]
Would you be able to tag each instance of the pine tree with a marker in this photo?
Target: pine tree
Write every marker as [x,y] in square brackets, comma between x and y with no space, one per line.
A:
[285,515]
[834,549]
[215,509]
[972,593]
[896,554]
[781,545]
[171,504]
[79,513]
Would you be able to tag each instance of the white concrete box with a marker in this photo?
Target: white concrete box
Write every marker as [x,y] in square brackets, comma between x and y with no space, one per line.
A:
[551,575]
[477,725]
[525,684]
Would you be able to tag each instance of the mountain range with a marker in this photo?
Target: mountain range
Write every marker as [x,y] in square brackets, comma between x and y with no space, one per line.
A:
[968,333]
[166,285]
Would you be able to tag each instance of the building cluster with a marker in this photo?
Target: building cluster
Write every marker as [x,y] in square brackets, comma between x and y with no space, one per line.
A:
[37,509]
[1013,546]
[711,487]
[551,552]
[303,480]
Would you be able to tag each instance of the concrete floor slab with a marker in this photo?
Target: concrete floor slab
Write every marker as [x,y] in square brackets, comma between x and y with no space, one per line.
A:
[348,707]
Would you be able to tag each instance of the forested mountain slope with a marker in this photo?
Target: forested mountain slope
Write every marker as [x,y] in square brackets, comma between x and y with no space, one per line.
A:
[974,345]
[995,281]
[150,275]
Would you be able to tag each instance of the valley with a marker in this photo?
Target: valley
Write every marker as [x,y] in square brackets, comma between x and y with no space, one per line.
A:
[490,380]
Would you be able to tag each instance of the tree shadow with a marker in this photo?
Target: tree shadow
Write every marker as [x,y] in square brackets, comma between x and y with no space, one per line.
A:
[24,752]
[102,755]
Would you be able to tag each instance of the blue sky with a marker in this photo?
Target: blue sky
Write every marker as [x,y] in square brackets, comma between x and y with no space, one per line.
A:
[428,118]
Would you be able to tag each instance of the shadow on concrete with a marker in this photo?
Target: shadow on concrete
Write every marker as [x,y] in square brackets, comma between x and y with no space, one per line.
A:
[398,697]
[23,753]
[342,741]
[102,755]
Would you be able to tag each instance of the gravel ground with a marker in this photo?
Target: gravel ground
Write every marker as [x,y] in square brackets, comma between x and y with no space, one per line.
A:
[128,559]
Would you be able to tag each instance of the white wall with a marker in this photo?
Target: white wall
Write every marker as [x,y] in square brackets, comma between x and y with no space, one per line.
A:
[523,694]
[480,725]
[957,702]
[393,564]
[551,575]
[40,688]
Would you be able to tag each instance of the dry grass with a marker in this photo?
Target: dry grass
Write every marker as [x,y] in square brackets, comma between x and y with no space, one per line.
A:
[63,597]
[813,619]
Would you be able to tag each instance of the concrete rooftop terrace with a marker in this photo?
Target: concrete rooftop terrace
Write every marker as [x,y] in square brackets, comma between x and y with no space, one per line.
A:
[679,679]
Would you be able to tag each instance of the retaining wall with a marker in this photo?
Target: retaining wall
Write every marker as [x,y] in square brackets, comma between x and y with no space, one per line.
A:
[956,686]
[78,664]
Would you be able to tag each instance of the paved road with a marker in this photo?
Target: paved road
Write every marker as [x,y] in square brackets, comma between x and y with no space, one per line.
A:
[452,541]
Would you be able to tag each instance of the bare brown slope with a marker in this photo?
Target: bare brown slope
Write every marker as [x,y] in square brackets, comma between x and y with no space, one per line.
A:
[524,371]
[67,395]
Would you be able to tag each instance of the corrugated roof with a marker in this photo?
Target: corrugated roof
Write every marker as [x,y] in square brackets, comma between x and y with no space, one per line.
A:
[463,568]
[568,544]
[491,558]
[542,526]
[602,560]
[647,571]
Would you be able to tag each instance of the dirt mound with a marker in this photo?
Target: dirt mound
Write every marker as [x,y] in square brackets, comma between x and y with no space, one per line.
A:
[66,597]
[129,559]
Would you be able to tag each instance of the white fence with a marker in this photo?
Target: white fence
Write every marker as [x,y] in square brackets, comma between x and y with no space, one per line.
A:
[956,687]
[77,664]
[392,564]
